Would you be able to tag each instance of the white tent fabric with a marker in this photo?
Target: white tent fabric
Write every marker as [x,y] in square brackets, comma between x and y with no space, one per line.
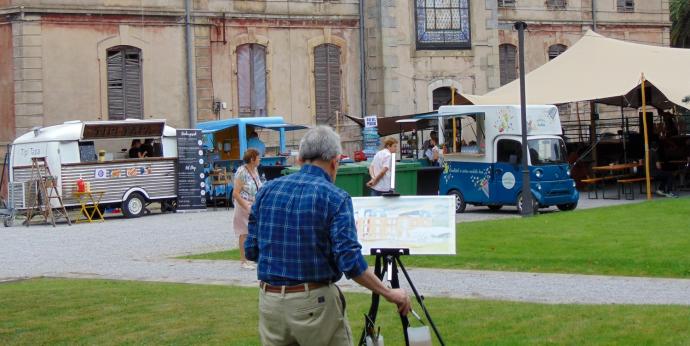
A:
[606,70]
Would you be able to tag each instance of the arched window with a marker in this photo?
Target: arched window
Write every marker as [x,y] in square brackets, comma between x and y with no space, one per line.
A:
[251,80]
[327,79]
[507,55]
[556,50]
[125,99]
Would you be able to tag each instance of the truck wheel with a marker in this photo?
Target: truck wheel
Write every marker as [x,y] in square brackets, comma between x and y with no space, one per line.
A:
[134,205]
[8,221]
[567,206]
[495,207]
[460,204]
[535,205]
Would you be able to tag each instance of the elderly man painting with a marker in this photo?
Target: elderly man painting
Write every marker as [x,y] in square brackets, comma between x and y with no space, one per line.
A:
[302,234]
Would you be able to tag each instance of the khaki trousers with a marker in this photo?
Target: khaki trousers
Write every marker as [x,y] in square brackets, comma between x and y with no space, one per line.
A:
[315,317]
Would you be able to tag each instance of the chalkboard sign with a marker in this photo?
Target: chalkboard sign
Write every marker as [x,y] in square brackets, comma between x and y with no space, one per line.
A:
[191,192]
[87,152]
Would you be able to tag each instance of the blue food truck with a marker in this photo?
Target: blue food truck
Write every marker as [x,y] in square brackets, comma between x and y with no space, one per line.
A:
[226,141]
[486,171]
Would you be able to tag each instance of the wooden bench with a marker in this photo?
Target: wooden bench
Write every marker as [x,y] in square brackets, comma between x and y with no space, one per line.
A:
[628,182]
[594,185]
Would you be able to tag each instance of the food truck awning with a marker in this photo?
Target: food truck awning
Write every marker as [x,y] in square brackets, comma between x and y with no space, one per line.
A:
[287,127]
[274,123]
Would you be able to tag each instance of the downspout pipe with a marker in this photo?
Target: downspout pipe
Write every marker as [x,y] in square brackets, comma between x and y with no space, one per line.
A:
[191,84]
[363,61]
[594,15]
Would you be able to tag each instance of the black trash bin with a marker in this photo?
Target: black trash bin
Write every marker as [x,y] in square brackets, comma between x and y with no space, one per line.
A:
[273,171]
[428,179]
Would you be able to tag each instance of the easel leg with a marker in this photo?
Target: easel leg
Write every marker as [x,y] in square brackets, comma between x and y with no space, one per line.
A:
[375,298]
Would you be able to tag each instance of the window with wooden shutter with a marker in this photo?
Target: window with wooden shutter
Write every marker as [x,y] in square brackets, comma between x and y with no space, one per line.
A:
[556,50]
[626,5]
[507,55]
[251,80]
[327,82]
[124,83]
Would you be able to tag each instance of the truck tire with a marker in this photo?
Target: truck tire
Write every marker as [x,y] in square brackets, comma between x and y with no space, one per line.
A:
[535,205]
[134,205]
[567,206]
[460,204]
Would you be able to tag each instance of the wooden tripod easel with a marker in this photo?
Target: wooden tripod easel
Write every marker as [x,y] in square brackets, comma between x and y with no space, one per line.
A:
[46,191]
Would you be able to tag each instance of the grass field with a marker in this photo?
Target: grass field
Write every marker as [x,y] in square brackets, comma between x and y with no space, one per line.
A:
[644,239]
[55,311]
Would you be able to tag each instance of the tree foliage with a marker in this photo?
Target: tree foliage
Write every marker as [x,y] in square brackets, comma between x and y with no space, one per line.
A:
[680,27]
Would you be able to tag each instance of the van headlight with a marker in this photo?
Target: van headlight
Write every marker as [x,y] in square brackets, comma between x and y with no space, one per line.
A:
[568,172]
[538,186]
[538,173]
[574,184]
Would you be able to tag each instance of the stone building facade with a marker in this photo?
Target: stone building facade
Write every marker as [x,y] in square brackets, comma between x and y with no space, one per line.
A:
[110,59]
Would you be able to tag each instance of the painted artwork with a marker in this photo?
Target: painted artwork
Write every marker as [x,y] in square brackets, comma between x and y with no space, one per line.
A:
[423,224]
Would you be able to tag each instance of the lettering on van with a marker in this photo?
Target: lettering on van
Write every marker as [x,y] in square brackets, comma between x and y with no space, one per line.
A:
[94,131]
[28,152]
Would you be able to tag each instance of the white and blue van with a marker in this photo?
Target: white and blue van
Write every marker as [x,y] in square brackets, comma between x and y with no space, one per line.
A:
[487,170]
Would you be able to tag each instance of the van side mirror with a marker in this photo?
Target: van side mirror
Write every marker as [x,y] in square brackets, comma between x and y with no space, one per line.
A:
[512,159]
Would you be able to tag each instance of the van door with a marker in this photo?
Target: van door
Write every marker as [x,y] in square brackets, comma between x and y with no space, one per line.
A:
[507,178]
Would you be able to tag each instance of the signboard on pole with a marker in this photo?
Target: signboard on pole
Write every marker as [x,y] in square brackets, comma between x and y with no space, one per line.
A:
[371,121]
[191,186]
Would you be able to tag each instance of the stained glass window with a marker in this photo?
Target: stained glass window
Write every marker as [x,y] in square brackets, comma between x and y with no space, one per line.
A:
[443,24]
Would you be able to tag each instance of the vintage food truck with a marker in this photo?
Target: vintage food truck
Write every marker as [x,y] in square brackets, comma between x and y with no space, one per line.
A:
[226,141]
[98,153]
[487,171]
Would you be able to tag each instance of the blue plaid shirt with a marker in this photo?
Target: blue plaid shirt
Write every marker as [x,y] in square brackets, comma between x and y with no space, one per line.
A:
[302,229]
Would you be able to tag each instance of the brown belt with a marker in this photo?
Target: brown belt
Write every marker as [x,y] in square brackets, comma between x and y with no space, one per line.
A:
[291,289]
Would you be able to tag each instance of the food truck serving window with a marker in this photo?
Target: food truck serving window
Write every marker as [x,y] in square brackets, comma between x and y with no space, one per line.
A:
[122,130]
[469,134]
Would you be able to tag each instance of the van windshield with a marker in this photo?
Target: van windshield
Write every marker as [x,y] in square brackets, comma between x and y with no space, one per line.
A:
[546,151]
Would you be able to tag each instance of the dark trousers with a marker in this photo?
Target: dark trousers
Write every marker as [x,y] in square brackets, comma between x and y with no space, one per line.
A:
[665,180]
[373,192]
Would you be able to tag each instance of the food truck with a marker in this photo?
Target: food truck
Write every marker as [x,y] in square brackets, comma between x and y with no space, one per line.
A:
[487,170]
[97,152]
[226,141]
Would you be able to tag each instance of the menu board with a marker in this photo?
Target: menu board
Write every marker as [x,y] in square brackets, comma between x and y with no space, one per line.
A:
[191,191]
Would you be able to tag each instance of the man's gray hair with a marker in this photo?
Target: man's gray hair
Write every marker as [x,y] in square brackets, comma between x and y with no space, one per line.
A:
[320,143]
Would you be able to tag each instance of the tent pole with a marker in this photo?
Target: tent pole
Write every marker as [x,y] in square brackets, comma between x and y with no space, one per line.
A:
[455,129]
[646,141]
[624,134]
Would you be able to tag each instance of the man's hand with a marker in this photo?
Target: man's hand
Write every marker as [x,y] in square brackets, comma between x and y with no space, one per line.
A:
[371,183]
[399,297]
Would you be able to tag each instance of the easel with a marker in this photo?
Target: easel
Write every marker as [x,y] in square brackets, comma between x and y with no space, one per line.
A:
[392,262]
[46,191]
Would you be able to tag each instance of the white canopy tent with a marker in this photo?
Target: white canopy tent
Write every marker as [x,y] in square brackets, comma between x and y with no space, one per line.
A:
[601,69]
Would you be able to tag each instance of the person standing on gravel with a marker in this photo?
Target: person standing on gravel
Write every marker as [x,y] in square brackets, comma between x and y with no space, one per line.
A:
[246,185]
[302,235]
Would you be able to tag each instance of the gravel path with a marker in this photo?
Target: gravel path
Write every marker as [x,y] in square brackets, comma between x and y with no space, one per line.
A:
[141,249]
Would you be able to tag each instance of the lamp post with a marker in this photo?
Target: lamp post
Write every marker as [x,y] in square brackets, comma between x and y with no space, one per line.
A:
[527,204]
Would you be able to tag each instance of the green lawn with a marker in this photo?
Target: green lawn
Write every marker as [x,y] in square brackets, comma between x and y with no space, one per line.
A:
[644,239]
[55,311]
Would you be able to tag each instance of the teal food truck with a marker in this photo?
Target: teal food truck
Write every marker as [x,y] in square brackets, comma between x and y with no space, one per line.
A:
[487,171]
[226,141]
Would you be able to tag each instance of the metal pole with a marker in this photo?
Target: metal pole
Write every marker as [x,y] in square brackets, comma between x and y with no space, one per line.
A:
[362,63]
[527,204]
[191,84]
[594,15]
[646,141]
